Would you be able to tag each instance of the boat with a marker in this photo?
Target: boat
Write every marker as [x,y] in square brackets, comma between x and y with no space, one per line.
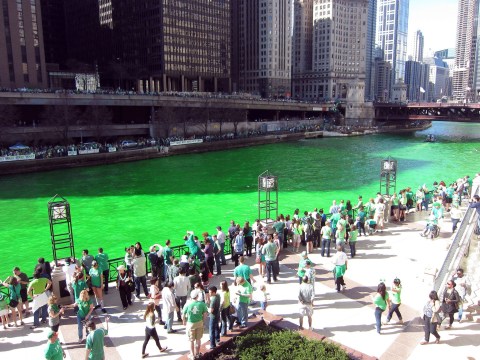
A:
[430,138]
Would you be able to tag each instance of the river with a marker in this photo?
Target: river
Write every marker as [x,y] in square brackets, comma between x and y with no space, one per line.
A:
[149,201]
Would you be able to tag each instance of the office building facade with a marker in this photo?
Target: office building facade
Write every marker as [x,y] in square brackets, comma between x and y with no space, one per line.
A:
[22,56]
[465,50]
[439,78]
[338,51]
[263,47]
[416,46]
[392,34]
[370,51]
[417,81]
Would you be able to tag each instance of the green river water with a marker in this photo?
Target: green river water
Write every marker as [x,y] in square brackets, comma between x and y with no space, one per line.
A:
[149,201]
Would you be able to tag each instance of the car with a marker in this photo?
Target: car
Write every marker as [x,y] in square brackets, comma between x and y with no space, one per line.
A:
[128,144]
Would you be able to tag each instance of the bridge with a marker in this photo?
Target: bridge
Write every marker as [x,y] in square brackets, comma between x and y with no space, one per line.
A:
[428,112]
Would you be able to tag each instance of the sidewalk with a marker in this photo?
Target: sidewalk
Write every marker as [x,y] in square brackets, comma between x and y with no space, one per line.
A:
[347,317]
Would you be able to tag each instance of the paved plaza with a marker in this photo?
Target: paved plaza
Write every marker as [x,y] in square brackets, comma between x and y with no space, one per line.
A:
[346,317]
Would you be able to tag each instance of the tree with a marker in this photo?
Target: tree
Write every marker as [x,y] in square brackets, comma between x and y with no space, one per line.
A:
[238,116]
[61,118]
[164,118]
[97,116]
[9,115]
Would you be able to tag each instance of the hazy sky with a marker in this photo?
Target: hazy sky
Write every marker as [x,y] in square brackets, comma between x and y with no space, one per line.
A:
[437,19]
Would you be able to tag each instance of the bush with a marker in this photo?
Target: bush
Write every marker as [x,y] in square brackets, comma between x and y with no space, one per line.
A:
[286,345]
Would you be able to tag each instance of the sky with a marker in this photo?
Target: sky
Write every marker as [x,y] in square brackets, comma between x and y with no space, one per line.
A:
[437,19]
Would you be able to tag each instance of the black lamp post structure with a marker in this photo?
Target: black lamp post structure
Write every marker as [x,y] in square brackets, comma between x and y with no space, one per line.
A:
[388,176]
[267,196]
[60,228]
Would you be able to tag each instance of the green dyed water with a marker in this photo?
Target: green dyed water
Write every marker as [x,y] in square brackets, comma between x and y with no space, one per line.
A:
[149,201]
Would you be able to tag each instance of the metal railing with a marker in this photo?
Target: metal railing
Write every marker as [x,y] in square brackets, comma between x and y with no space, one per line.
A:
[458,248]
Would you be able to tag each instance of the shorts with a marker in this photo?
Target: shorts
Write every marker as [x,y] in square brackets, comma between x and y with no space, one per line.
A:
[306,310]
[23,295]
[448,200]
[379,219]
[4,312]
[195,331]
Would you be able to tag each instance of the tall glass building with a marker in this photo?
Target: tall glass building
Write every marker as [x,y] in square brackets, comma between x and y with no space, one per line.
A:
[392,34]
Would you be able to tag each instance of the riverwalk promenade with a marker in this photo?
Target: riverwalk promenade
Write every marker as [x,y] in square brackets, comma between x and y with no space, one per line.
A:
[346,317]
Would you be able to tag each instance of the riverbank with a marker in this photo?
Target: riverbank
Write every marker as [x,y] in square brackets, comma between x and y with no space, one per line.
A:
[38,165]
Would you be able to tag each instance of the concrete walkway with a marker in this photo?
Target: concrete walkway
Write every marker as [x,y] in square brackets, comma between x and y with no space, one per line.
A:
[347,317]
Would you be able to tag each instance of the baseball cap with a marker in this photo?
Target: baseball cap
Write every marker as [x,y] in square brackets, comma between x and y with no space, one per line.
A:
[51,334]
[194,294]
[304,253]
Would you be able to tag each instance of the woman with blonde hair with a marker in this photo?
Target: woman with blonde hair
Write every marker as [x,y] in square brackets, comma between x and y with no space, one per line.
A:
[85,308]
[54,313]
[150,330]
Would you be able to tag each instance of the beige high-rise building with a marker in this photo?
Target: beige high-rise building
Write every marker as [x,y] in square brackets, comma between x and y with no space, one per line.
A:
[465,49]
[22,57]
[339,30]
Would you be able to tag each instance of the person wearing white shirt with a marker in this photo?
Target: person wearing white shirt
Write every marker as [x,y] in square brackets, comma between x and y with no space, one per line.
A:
[169,306]
[181,285]
[339,262]
[69,269]
[221,241]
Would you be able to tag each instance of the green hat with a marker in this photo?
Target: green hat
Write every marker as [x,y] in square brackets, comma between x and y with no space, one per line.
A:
[50,334]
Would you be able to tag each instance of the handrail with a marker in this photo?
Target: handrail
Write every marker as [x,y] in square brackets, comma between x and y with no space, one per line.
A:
[453,253]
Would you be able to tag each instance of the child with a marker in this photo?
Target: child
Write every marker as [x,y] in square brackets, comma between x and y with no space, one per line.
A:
[372,226]
[264,298]
[4,310]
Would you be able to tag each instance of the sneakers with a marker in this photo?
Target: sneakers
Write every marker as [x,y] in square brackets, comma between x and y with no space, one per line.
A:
[80,341]
[344,287]
[104,310]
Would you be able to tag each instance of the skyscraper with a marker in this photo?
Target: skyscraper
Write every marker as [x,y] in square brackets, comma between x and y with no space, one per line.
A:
[416,46]
[262,46]
[370,50]
[22,57]
[392,33]
[338,49]
[465,49]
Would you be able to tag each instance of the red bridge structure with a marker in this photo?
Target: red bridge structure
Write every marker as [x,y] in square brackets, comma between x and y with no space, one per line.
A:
[428,112]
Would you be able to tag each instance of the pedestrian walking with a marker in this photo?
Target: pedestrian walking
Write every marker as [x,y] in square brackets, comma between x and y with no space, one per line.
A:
[150,330]
[431,318]
[306,295]
[381,300]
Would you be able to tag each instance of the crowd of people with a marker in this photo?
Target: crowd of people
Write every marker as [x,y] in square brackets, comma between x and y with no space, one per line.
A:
[186,287]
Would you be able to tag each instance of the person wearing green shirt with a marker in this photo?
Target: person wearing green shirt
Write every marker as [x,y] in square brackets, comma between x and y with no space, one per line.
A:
[380,300]
[326,234]
[243,271]
[352,241]
[270,250]
[96,277]
[54,349]
[301,266]
[102,260]
[193,315]
[396,301]
[168,257]
[95,341]
[244,293]
[78,284]
[85,308]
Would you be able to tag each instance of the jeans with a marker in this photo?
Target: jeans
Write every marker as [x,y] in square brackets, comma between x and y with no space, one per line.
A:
[360,227]
[214,330]
[141,280]
[169,321]
[353,250]
[248,244]
[36,315]
[125,295]
[222,253]
[316,238]
[263,305]
[394,309]
[218,264]
[378,319]
[225,315]
[180,301]
[270,271]
[326,245]
[80,326]
[242,312]
[429,328]
[460,309]
[454,224]
[106,274]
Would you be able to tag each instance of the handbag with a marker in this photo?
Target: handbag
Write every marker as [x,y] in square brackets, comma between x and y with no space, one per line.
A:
[130,286]
[231,309]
